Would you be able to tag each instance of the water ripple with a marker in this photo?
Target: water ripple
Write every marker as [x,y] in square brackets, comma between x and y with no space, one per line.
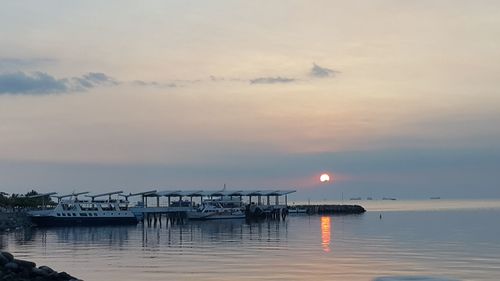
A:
[302,248]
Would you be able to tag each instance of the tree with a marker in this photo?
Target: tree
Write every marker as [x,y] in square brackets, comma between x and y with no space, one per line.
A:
[28,200]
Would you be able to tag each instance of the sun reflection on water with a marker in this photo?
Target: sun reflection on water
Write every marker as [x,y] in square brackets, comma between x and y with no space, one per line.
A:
[325,233]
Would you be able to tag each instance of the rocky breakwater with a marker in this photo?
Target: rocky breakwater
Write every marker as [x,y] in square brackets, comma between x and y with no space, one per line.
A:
[333,209]
[11,220]
[12,269]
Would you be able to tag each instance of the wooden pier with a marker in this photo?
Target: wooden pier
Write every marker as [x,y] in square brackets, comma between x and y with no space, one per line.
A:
[172,206]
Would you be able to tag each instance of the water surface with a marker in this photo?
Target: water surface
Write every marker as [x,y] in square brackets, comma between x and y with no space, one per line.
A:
[461,243]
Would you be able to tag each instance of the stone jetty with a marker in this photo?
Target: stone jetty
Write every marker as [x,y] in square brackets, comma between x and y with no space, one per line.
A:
[12,269]
[332,209]
[12,220]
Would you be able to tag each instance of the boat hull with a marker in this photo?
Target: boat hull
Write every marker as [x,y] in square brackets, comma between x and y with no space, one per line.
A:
[82,221]
[213,216]
[217,218]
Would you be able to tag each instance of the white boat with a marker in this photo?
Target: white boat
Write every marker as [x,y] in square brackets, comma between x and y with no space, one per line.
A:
[218,209]
[75,212]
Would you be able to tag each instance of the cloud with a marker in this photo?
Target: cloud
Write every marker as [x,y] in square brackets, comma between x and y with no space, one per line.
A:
[43,83]
[153,84]
[36,83]
[272,80]
[316,71]
[322,72]
[99,78]
[91,80]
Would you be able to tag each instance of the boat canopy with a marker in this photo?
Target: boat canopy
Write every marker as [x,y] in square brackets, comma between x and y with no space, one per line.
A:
[181,193]
[208,193]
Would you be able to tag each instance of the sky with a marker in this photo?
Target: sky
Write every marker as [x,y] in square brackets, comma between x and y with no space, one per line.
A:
[391,98]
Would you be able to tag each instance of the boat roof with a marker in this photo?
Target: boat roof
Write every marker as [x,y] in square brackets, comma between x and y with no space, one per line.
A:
[182,193]
[69,195]
[104,194]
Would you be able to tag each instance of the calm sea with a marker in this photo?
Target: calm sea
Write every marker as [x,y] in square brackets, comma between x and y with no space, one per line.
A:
[453,239]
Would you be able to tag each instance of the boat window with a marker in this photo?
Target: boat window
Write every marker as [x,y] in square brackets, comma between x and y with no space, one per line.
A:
[83,214]
[68,207]
[88,207]
[107,207]
[63,214]
[58,214]
[74,214]
[95,214]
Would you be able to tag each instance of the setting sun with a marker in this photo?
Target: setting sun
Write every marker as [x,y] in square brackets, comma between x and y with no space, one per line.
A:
[324,178]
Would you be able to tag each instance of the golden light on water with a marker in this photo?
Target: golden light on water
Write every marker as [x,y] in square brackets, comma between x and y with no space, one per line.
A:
[325,233]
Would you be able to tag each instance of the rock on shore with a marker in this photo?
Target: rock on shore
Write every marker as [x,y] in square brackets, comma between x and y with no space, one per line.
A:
[12,269]
[12,220]
[332,209]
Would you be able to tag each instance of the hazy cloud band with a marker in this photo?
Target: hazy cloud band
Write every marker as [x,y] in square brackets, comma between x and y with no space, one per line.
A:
[40,83]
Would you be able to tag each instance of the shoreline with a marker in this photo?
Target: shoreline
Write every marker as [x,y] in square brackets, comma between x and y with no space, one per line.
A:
[22,270]
[14,220]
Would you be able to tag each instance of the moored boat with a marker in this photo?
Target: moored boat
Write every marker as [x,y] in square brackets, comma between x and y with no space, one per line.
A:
[70,211]
[218,209]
